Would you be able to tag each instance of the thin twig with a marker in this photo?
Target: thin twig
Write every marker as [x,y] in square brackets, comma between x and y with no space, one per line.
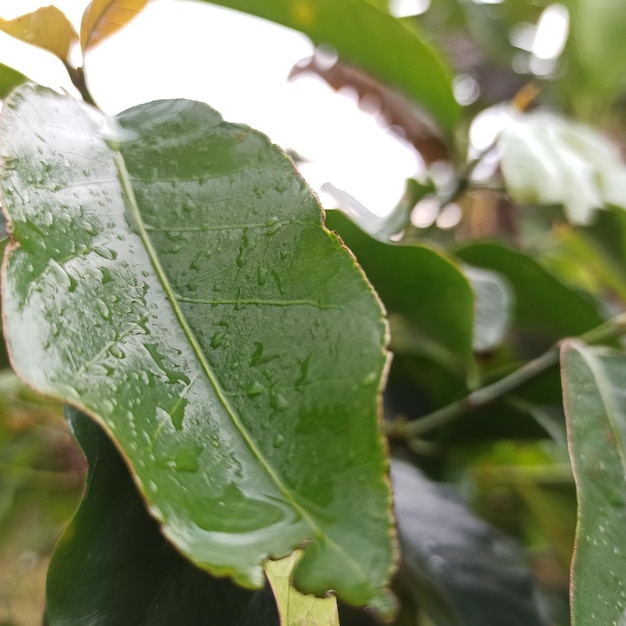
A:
[484,396]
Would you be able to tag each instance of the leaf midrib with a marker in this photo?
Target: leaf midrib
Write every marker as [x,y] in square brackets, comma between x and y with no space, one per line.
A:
[142,232]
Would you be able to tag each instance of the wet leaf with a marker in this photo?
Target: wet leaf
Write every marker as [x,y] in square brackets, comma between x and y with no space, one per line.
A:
[549,160]
[418,282]
[295,608]
[463,572]
[46,28]
[9,79]
[372,40]
[593,394]
[113,562]
[169,275]
[102,18]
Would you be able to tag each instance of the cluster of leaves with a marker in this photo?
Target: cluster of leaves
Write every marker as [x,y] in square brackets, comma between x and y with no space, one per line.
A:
[169,277]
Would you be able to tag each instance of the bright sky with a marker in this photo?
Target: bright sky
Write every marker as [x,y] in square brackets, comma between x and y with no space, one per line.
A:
[239,65]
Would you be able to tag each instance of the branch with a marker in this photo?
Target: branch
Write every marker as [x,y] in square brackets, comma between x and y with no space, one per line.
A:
[614,328]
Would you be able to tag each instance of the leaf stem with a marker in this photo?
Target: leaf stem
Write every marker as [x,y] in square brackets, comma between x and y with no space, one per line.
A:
[612,329]
[77,76]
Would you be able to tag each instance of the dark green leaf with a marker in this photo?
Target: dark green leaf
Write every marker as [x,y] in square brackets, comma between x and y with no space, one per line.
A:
[593,393]
[171,278]
[112,561]
[542,302]
[418,282]
[372,40]
[462,571]
[9,80]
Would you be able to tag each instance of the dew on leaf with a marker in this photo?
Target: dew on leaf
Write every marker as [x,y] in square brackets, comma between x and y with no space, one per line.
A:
[105,253]
[103,309]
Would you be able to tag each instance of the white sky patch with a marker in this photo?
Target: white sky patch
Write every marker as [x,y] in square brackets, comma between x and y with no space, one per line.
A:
[238,65]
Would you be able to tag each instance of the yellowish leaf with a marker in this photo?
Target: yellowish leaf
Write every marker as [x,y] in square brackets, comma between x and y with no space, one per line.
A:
[295,608]
[102,18]
[46,28]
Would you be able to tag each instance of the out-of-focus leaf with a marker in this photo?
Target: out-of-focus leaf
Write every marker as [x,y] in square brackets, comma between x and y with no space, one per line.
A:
[294,607]
[369,39]
[492,306]
[463,571]
[549,160]
[400,115]
[593,394]
[186,295]
[112,561]
[385,226]
[46,28]
[542,302]
[418,282]
[102,18]
[9,80]
[598,46]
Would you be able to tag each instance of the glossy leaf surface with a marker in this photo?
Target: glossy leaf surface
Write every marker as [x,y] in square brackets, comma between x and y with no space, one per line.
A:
[542,302]
[46,28]
[9,79]
[593,394]
[294,607]
[463,572]
[372,40]
[169,275]
[102,18]
[112,561]
[416,281]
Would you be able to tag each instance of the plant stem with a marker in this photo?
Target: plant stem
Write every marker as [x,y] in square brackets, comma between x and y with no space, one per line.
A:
[480,398]
[77,76]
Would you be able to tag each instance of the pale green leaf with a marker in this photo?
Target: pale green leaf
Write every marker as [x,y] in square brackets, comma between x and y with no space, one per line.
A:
[170,276]
[295,608]
[549,160]
[595,406]
[492,307]
[598,47]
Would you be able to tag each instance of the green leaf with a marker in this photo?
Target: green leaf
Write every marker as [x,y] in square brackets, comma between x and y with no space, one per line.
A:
[493,300]
[598,46]
[9,79]
[113,562]
[169,275]
[372,40]
[46,28]
[295,608]
[593,393]
[549,160]
[377,226]
[542,302]
[418,282]
[463,572]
